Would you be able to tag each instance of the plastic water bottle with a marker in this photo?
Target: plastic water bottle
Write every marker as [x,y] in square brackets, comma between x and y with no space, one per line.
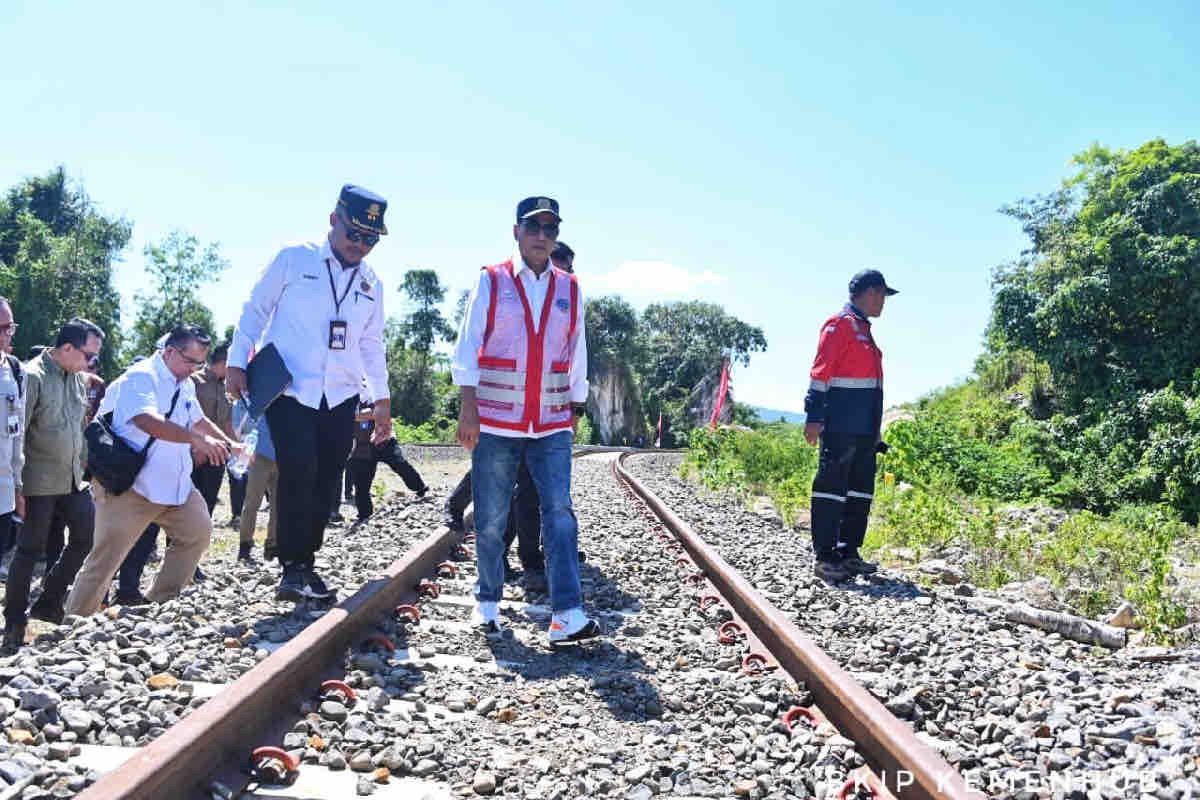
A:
[239,462]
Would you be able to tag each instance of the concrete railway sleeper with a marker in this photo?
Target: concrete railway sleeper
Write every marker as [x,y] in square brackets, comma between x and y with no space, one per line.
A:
[391,693]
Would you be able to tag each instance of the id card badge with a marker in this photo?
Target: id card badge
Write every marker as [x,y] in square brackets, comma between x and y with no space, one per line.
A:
[337,335]
[14,424]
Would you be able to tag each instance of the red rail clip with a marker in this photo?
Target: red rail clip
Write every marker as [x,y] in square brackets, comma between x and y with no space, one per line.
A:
[338,689]
[797,713]
[273,765]
[856,788]
[447,570]
[708,601]
[730,632]
[754,664]
[408,612]
[379,640]
[427,588]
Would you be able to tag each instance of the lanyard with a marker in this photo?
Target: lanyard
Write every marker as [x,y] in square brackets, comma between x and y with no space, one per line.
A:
[337,303]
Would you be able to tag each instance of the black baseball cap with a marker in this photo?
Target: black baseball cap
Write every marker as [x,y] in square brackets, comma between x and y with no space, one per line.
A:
[536,205]
[869,279]
[363,208]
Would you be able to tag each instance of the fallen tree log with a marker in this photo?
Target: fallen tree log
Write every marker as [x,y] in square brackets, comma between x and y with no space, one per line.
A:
[1069,626]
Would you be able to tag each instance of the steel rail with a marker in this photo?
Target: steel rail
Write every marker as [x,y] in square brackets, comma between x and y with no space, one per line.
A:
[908,767]
[224,729]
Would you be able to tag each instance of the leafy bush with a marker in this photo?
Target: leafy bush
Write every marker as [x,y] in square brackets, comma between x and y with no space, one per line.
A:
[441,430]
[773,460]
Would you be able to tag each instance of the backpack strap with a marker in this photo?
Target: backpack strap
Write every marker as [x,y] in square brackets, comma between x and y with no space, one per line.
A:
[14,364]
[170,411]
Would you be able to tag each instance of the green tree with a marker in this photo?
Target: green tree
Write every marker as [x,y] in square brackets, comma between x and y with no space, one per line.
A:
[177,268]
[611,328]
[56,262]
[680,343]
[1106,294]
[417,375]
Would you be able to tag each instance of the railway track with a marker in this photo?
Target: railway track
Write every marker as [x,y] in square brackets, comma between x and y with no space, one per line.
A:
[700,688]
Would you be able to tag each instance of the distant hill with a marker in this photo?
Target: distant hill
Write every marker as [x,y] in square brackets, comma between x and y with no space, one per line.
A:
[774,415]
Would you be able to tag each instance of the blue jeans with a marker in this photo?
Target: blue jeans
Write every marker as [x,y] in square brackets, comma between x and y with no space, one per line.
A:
[494,464]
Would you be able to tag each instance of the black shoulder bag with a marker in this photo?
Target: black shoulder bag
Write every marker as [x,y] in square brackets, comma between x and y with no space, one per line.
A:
[110,460]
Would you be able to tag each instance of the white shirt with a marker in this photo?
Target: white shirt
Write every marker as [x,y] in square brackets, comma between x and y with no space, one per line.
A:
[292,305]
[464,368]
[147,388]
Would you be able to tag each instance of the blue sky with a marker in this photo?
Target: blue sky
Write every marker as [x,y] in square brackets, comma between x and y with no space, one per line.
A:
[751,154]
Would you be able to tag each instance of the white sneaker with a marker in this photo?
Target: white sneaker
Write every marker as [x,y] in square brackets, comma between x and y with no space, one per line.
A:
[486,617]
[568,627]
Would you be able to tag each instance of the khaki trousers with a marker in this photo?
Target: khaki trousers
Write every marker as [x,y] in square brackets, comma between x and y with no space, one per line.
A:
[262,476]
[120,520]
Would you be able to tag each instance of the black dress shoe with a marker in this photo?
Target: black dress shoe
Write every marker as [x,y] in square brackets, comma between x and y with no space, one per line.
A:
[14,639]
[292,587]
[132,600]
[47,611]
[246,554]
[315,588]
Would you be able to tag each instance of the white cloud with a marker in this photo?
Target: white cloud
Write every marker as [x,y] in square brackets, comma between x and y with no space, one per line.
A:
[651,277]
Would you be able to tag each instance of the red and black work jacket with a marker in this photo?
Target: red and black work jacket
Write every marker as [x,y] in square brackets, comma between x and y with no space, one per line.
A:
[846,388]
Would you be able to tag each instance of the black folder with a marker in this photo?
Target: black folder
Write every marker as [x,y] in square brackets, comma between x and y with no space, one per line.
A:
[267,377]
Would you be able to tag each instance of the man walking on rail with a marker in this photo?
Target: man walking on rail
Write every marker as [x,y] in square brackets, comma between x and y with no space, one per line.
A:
[844,409]
[322,307]
[521,364]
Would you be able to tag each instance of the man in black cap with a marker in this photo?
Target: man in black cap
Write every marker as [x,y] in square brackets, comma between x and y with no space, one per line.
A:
[521,365]
[844,409]
[563,257]
[321,305]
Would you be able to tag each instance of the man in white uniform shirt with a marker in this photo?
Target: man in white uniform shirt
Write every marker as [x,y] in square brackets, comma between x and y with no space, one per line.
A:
[521,365]
[155,398]
[321,306]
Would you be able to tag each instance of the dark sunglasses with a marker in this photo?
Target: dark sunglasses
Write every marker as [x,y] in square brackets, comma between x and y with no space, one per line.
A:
[533,228]
[369,239]
[356,236]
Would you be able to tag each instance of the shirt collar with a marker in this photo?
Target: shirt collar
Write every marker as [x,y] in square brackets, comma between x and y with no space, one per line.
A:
[164,372]
[326,252]
[49,363]
[520,266]
[856,311]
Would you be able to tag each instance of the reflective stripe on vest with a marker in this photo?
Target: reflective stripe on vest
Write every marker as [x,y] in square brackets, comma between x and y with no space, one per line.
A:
[853,383]
[524,377]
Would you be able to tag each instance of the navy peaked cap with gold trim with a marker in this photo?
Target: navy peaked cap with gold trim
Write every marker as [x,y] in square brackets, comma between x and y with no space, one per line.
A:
[363,208]
[536,205]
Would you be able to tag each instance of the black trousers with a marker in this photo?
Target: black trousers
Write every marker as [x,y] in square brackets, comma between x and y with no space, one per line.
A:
[524,517]
[525,523]
[311,446]
[129,576]
[362,471]
[79,512]
[842,493]
[207,479]
[460,498]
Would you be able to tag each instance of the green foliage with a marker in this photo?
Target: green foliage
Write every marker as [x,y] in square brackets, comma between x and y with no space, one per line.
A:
[584,432]
[177,268]
[441,429]
[1105,295]
[678,344]
[56,262]
[420,382]
[774,460]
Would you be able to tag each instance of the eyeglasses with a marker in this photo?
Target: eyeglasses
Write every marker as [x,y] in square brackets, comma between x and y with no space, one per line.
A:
[10,329]
[191,361]
[533,228]
[356,236]
[92,358]
[369,239]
